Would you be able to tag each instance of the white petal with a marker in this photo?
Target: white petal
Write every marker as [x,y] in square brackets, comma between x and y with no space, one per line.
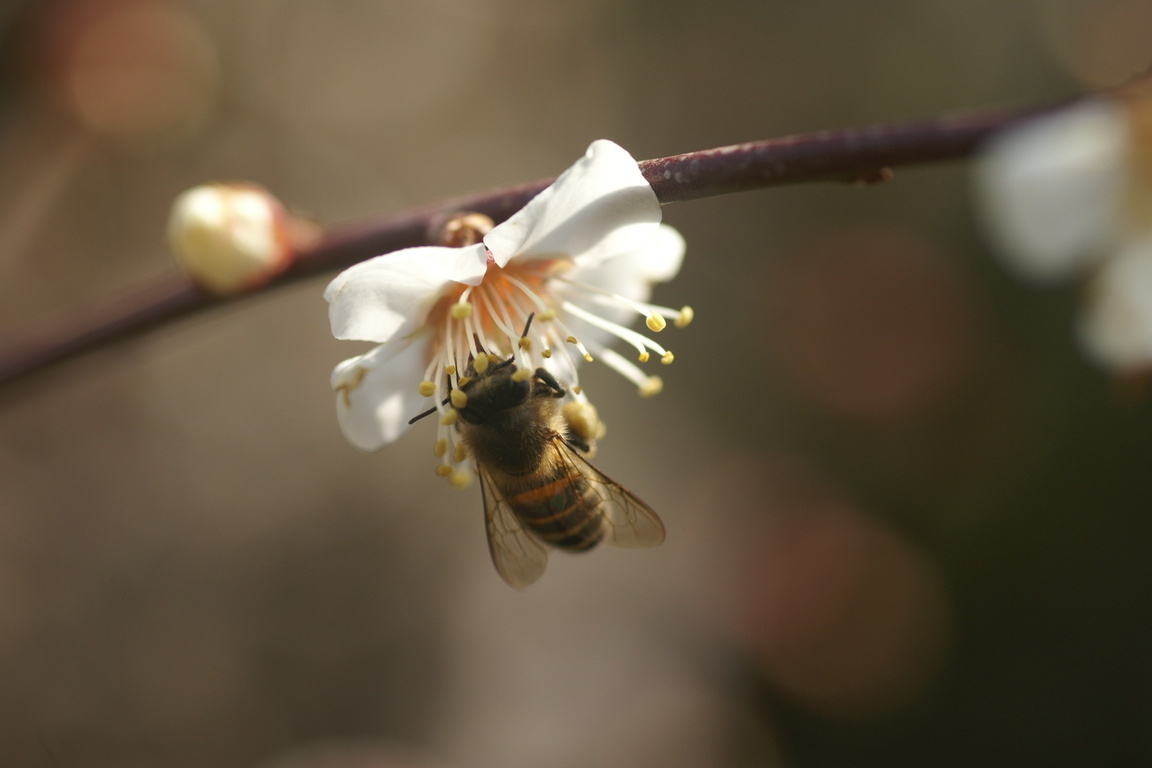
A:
[632,273]
[389,296]
[1050,190]
[1116,325]
[599,207]
[376,393]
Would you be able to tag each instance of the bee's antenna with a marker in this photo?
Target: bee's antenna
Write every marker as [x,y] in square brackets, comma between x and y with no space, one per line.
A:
[528,325]
[428,412]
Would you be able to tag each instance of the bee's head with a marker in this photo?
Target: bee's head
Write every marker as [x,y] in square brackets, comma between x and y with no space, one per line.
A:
[497,388]
[492,386]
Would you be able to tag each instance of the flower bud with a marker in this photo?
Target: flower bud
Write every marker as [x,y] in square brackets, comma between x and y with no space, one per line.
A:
[230,238]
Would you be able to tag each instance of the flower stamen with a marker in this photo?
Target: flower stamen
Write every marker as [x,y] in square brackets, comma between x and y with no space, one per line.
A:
[469,340]
[637,340]
[646,385]
[496,309]
[652,387]
[583,350]
[541,307]
[654,314]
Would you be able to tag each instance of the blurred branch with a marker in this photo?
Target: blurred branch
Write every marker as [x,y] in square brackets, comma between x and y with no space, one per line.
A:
[852,154]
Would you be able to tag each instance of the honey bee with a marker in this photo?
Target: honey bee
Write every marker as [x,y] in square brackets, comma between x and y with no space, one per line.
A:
[539,489]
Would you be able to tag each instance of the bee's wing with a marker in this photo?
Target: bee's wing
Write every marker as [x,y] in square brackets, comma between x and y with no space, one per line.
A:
[519,558]
[628,522]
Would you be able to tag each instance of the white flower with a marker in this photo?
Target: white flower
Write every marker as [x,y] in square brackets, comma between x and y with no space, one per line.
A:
[581,257]
[1116,326]
[1068,194]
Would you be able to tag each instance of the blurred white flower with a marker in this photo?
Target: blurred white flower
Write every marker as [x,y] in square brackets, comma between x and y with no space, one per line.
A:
[1116,325]
[581,257]
[1070,195]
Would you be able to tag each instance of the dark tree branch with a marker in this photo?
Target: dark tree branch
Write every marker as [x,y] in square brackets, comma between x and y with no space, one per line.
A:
[852,154]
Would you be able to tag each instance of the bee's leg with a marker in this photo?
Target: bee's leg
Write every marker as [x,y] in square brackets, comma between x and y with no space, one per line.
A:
[578,443]
[554,388]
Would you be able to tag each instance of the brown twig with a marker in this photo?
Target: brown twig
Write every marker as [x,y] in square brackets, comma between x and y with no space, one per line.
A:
[852,154]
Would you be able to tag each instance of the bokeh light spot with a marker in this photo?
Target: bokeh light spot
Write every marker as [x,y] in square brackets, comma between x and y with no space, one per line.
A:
[871,323]
[133,69]
[842,613]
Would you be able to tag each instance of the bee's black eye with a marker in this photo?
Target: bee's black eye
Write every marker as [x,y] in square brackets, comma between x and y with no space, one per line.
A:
[496,395]
[510,393]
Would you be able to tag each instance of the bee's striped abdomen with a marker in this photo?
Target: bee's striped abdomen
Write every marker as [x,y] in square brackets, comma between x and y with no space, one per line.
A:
[563,512]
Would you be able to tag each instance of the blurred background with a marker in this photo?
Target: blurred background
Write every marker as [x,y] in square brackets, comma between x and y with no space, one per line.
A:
[907,521]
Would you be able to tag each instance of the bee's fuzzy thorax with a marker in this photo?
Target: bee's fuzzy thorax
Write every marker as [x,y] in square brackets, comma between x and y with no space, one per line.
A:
[514,437]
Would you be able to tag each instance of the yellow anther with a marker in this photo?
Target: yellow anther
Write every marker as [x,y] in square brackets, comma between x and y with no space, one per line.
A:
[656,323]
[450,370]
[546,315]
[426,389]
[492,359]
[480,364]
[525,342]
[652,386]
[443,470]
[458,398]
[643,357]
[684,318]
[460,310]
[571,340]
[449,418]
[522,374]
[587,357]
[460,453]
[441,446]
[463,381]
[577,389]
[460,478]
[667,358]
[545,353]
